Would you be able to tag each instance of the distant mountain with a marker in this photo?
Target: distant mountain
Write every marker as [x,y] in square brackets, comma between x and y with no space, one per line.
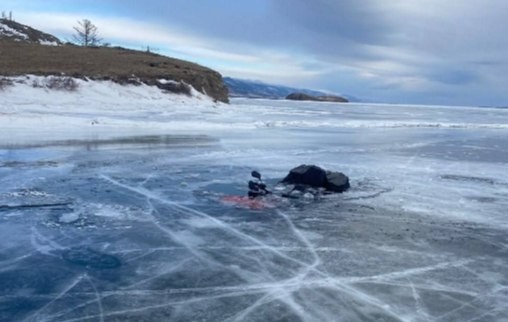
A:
[256,89]
[12,30]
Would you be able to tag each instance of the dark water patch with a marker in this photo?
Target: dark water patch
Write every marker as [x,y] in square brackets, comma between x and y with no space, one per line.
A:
[482,199]
[224,188]
[471,179]
[17,308]
[22,164]
[35,275]
[88,257]
[25,206]
[129,141]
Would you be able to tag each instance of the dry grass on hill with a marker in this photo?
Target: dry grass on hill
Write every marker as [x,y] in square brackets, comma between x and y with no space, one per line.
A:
[117,64]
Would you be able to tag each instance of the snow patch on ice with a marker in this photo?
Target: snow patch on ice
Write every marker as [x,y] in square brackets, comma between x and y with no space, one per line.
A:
[69,217]
[111,212]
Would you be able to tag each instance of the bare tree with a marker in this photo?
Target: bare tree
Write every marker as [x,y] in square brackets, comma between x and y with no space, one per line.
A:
[86,34]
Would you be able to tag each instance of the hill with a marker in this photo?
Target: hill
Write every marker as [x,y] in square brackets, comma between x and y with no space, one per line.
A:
[256,89]
[24,51]
[12,30]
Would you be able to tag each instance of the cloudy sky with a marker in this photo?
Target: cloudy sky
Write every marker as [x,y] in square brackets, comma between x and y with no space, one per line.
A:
[452,52]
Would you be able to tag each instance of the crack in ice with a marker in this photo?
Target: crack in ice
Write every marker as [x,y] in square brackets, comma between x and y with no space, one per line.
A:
[69,287]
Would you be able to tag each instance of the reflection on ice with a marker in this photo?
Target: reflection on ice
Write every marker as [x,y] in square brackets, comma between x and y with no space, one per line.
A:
[121,234]
[131,141]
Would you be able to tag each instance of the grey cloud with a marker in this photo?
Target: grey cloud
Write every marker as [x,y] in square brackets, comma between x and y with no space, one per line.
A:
[358,21]
[445,44]
[455,77]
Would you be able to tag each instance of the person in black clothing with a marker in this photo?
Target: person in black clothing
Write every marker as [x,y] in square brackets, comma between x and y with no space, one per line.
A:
[257,188]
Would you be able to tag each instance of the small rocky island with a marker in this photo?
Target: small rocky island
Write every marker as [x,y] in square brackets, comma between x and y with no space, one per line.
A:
[324,98]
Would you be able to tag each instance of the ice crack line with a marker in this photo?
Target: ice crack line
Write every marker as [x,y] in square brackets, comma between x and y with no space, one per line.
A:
[172,235]
[372,196]
[98,296]
[60,295]
[341,285]
[420,309]
[220,223]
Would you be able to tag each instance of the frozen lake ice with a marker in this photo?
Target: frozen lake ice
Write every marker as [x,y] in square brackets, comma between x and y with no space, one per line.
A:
[132,228]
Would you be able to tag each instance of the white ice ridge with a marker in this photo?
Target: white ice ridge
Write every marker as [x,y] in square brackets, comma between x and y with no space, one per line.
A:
[32,112]
[103,109]
[359,124]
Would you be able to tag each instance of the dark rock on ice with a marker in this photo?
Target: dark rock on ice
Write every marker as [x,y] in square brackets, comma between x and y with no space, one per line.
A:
[85,256]
[336,181]
[310,175]
[314,176]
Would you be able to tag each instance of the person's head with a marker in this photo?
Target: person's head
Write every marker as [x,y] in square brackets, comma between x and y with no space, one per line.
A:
[256,174]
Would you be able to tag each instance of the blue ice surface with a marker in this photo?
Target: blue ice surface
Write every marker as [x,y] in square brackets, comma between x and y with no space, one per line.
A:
[135,229]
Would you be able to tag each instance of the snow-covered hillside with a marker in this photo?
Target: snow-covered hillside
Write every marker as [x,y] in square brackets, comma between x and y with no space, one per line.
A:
[18,32]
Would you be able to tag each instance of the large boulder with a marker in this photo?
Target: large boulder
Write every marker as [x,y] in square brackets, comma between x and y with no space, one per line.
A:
[309,175]
[336,181]
[316,177]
